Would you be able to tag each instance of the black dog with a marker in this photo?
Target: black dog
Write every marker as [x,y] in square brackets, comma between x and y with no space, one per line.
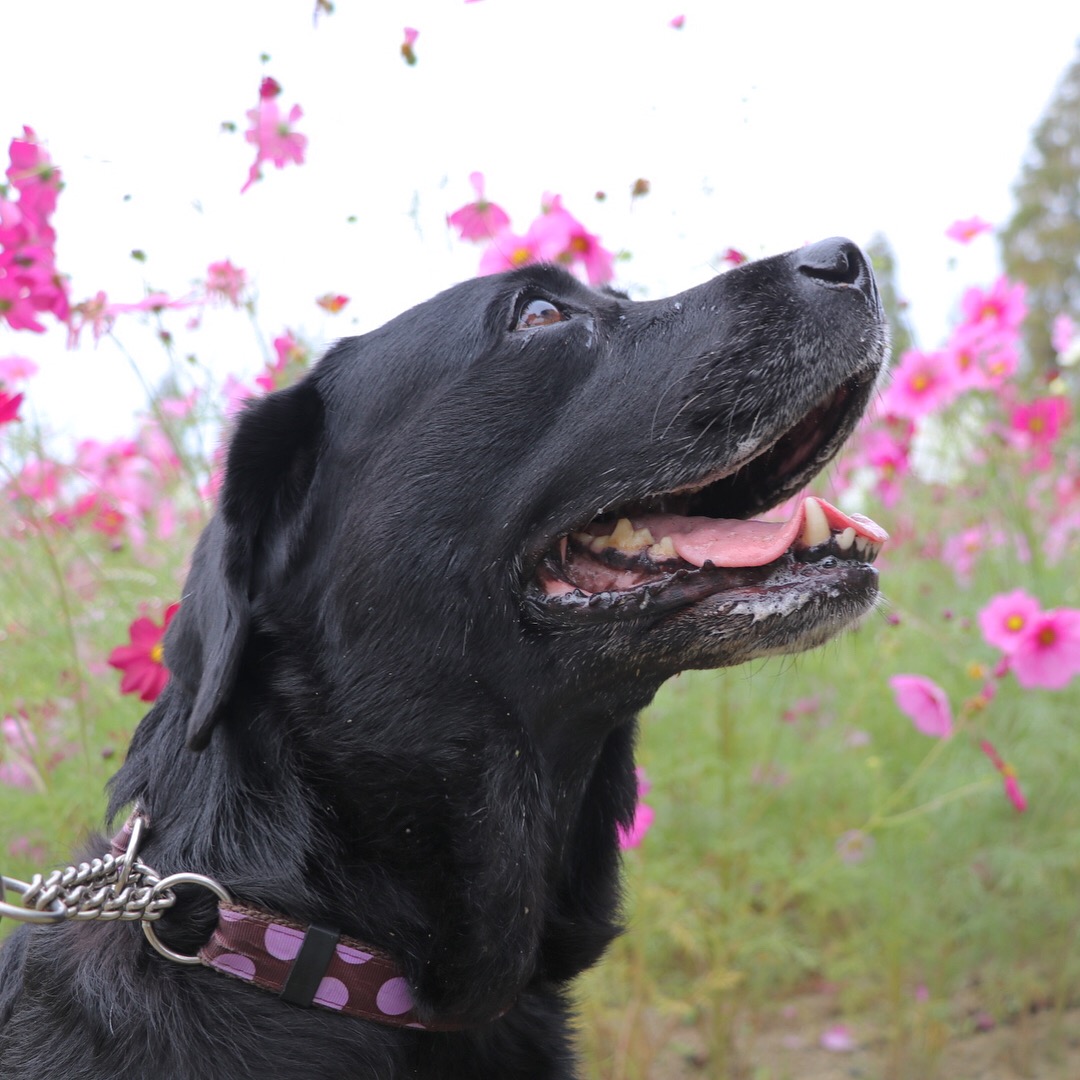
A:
[448,569]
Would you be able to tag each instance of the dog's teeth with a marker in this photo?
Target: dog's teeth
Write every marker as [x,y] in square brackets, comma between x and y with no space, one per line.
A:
[624,537]
[816,529]
[623,533]
[846,539]
[562,548]
[664,550]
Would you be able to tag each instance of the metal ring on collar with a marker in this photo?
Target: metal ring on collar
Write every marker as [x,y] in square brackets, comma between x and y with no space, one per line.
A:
[168,883]
[55,913]
[131,852]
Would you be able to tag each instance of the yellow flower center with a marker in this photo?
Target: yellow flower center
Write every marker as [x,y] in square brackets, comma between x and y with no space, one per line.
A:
[1014,623]
[920,383]
[157,653]
[1047,636]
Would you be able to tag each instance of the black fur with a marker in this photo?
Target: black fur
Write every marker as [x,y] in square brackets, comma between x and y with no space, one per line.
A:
[375,721]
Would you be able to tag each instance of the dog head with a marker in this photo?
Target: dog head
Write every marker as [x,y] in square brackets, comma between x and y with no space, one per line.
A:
[546,492]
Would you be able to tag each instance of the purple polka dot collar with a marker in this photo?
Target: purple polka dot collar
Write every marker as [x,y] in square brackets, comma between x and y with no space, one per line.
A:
[303,964]
[358,980]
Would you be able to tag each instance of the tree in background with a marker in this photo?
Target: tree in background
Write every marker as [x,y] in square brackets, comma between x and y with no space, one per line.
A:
[883,261]
[1040,246]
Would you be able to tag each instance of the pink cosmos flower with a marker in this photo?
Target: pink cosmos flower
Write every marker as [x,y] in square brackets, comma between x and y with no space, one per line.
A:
[643,816]
[142,662]
[236,392]
[734,257]
[407,50]
[921,384]
[332,303]
[924,703]
[9,406]
[837,1039]
[507,251]
[966,230]
[555,236]
[678,22]
[18,745]
[23,847]
[271,134]
[961,550]
[16,369]
[999,310]
[480,220]
[854,846]
[291,358]
[888,454]
[225,282]
[1007,619]
[1064,334]
[559,237]
[964,356]
[1047,654]
[29,281]
[154,301]
[1012,785]
[180,408]
[94,312]
[39,481]
[1036,426]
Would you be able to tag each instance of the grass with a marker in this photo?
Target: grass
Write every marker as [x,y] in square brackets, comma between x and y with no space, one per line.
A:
[952,910]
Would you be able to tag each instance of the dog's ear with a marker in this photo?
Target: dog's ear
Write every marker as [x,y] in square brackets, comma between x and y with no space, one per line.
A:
[245,547]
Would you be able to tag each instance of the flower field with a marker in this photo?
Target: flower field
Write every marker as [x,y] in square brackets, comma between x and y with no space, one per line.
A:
[862,855]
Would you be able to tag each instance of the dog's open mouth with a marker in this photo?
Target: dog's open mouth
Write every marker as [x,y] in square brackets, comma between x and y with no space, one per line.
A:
[667,551]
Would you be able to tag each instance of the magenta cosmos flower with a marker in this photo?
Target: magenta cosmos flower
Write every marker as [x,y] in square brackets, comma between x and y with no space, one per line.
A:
[997,310]
[1007,619]
[9,407]
[480,220]
[272,134]
[924,703]
[643,816]
[965,230]
[226,282]
[142,662]
[1008,773]
[1047,655]
[921,383]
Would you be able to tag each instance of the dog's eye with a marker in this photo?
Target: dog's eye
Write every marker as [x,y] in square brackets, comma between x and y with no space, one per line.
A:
[538,313]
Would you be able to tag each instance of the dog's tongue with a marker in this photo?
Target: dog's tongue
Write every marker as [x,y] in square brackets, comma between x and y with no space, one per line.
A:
[728,542]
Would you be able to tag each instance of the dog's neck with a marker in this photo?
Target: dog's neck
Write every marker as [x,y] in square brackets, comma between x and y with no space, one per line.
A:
[432,854]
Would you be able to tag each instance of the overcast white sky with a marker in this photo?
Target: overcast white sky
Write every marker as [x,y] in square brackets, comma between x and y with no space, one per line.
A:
[760,126]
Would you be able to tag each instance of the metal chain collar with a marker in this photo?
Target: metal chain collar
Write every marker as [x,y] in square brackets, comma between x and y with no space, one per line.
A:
[112,887]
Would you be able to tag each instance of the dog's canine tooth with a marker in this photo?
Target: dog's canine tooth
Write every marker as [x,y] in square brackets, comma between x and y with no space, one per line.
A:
[846,539]
[623,534]
[816,529]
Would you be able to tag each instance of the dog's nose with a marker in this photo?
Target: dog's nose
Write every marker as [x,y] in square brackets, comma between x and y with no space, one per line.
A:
[836,261]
